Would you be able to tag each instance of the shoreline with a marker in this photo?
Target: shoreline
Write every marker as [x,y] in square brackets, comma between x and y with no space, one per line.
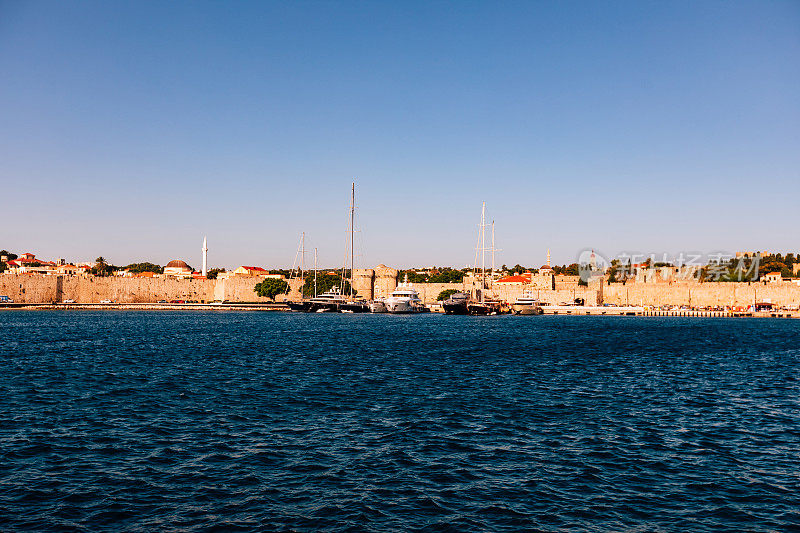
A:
[279,306]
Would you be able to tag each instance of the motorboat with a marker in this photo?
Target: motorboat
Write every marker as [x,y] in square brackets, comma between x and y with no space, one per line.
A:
[527,305]
[404,299]
[354,306]
[456,304]
[377,306]
[327,301]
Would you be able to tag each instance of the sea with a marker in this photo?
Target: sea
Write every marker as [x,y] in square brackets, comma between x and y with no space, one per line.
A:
[270,421]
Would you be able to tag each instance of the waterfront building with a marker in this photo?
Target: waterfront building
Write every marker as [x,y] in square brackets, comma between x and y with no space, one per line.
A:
[250,271]
[67,270]
[518,279]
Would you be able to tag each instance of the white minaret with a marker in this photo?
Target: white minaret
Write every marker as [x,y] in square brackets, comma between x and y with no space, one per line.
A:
[548,257]
[205,257]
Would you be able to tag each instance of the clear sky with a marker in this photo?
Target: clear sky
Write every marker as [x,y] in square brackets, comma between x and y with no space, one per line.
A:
[132,129]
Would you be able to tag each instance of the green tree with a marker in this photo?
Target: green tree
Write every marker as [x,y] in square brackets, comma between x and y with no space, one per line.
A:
[325,282]
[572,270]
[214,272]
[271,287]
[445,294]
[101,267]
[612,271]
[446,275]
[137,268]
[10,256]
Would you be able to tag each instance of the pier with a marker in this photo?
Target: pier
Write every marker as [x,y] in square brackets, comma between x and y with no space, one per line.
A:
[650,312]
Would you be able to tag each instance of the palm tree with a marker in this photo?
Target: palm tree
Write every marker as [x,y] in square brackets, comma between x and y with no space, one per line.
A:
[100,266]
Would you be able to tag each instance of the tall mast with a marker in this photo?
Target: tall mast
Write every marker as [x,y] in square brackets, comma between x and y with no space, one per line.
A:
[315,272]
[352,239]
[302,252]
[492,276]
[483,249]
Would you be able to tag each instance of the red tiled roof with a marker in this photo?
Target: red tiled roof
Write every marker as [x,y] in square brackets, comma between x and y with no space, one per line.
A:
[23,262]
[259,269]
[519,278]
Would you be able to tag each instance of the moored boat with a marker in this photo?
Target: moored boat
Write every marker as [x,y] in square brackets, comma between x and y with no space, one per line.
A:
[484,308]
[303,305]
[526,305]
[377,306]
[328,301]
[354,306]
[404,299]
[456,304]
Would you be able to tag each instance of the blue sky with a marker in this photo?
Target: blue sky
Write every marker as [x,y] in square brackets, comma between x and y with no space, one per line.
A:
[132,129]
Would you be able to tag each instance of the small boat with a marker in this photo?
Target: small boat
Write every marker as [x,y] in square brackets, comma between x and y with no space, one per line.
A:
[456,304]
[527,305]
[377,307]
[404,299]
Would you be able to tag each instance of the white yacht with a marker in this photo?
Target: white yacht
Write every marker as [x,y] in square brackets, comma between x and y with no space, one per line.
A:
[377,306]
[404,299]
[527,305]
[327,302]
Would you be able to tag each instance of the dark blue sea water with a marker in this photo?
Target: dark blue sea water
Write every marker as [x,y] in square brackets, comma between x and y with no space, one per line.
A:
[231,421]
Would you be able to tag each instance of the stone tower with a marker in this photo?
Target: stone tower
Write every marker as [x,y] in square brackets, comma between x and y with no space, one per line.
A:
[363,280]
[385,281]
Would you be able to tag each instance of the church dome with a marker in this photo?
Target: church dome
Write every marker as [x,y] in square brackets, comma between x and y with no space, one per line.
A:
[177,263]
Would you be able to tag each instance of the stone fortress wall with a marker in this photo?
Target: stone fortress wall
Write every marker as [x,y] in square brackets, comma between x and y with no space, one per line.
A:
[715,294]
[32,288]
[381,281]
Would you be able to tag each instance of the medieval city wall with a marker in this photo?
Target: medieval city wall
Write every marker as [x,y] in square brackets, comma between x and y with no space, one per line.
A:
[429,291]
[701,294]
[559,295]
[28,288]
[31,288]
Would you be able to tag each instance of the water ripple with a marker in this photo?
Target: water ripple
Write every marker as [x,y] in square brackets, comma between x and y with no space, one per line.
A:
[241,421]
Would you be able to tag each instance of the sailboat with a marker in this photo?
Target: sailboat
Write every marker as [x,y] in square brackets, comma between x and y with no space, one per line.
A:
[479,304]
[352,305]
[303,304]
